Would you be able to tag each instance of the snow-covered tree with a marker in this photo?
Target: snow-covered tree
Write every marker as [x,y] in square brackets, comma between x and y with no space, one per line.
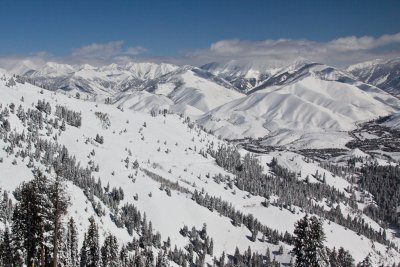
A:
[110,252]
[91,250]
[308,243]
[72,243]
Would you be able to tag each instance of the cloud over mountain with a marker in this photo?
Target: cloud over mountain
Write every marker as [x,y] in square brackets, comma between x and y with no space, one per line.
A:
[338,52]
[277,52]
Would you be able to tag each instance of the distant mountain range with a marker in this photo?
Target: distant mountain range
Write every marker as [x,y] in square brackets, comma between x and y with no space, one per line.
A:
[245,77]
[237,99]
[94,81]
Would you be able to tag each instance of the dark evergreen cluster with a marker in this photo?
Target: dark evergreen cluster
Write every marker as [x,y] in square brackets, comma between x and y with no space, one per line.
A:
[290,190]
[11,82]
[309,249]
[99,139]
[6,207]
[340,258]
[72,118]
[104,119]
[308,243]
[199,242]
[383,182]
[166,185]
[36,228]
[44,106]
[238,218]
[248,258]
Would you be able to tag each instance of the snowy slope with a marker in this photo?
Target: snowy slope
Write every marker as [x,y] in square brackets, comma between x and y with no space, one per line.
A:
[244,75]
[393,121]
[190,86]
[310,104]
[93,81]
[384,74]
[250,76]
[167,146]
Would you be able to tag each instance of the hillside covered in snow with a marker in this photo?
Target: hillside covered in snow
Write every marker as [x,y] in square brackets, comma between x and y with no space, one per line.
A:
[384,74]
[147,174]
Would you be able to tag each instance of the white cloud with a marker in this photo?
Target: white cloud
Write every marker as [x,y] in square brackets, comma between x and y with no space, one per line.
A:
[103,53]
[95,54]
[338,52]
[136,50]
[98,50]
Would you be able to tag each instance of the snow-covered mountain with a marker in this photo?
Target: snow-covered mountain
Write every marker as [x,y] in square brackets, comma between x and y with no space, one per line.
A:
[167,168]
[384,74]
[196,91]
[235,99]
[255,75]
[93,81]
[241,74]
[391,121]
[312,98]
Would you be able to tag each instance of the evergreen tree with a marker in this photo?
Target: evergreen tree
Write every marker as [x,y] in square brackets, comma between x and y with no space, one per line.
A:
[34,205]
[333,260]
[84,253]
[344,258]
[72,243]
[60,202]
[6,250]
[110,252]
[316,248]
[300,242]
[123,257]
[63,255]
[308,243]
[366,262]
[92,245]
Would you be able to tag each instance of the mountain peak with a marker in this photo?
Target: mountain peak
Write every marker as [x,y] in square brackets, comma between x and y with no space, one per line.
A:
[384,74]
[87,67]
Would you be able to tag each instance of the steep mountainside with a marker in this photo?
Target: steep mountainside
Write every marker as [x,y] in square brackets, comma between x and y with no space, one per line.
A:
[95,81]
[310,104]
[243,75]
[381,73]
[195,88]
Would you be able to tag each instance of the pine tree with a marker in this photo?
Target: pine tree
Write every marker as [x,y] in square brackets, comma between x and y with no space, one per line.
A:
[366,262]
[59,199]
[6,250]
[211,247]
[34,205]
[63,255]
[84,253]
[63,127]
[221,262]
[92,245]
[300,242]
[316,248]
[280,250]
[110,252]
[123,257]
[72,243]
[237,258]
[308,243]
[17,236]
[333,259]
[344,258]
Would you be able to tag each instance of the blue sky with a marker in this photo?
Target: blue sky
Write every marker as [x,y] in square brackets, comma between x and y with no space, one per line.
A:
[185,29]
